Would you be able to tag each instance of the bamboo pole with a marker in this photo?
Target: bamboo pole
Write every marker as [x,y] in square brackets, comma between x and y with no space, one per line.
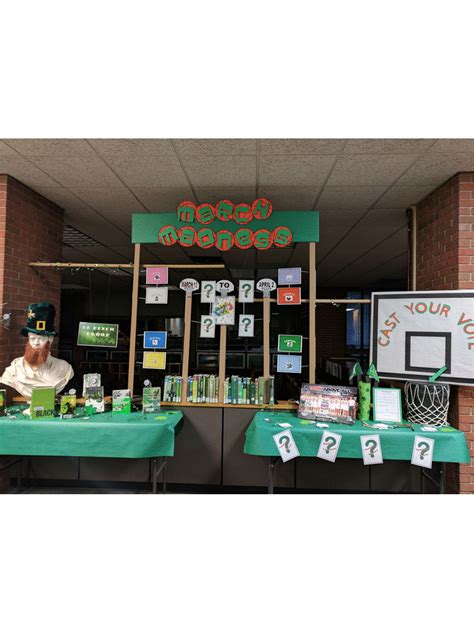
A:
[182,266]
[312,313]
[187,337]
[133,318]
[222,352]
[413,248]
[266,342]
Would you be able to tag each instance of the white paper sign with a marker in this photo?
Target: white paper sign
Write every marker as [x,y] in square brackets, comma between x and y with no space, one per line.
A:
[329,446]
[208,292]
[246,291]
[286,445]
[224,310]
[246,325]
[371,449]
[224,286]
[387,404]
[266,285]
[208,326]
[189,285]
[157,295]
[423,448]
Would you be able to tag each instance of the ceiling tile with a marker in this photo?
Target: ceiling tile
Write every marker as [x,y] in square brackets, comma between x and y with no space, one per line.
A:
[403,196]
[133,147]
[216,147]
[388,146]
[210,171]
[236,195]
[77,171]
[379,170]
[62,197]
[290,198]
[455,145]
[109,199]
[163,199]
[436,168]
[5,150]
[148,171]
[301,146]
[310,170]
[25,171]
[52,147]
[349,197]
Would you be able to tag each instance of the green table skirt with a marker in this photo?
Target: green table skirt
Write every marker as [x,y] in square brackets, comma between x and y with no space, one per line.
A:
[397,444]
[133,436]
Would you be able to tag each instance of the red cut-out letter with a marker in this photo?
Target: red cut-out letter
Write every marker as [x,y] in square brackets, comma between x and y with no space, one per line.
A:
[242,214]
[167,235]
[205,238]
[186,211]
[243,238]
[224,210]
[187,236]
[262,208]
[282,236]
[262,239]
[224,240]
[205,213]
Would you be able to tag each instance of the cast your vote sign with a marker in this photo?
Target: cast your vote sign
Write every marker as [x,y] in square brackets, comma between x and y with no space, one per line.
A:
[414,334]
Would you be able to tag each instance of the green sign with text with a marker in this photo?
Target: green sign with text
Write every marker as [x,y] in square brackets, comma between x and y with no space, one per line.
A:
[288,343]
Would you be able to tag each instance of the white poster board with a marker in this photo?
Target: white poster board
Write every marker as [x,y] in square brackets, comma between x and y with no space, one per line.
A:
[413,334]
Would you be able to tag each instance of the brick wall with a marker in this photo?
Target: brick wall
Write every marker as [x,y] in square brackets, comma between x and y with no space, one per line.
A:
[30,230]
[445,261]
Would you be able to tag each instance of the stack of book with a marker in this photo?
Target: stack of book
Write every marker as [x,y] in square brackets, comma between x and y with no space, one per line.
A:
[204,389]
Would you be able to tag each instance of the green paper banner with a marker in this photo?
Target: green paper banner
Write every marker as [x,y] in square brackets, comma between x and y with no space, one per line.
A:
[364,392]
[372,372]
[356,370]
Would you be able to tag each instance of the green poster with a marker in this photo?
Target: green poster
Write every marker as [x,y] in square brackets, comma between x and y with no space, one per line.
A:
[364,389]
[290,343]
[97,335]
[42,403]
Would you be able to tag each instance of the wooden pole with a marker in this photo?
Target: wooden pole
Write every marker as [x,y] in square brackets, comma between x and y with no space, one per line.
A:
[187,337]
[266,342]
[312,313]
[222,352]
[133,318]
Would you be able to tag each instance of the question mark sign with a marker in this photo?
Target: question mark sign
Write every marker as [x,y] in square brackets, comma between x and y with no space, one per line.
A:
[372,446]
[246,323]
[208,290]
[424,449]
[207,324]
[246,288]
[330,443]
[285,441]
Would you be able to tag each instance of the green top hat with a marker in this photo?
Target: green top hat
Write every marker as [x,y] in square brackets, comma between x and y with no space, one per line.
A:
[40,320]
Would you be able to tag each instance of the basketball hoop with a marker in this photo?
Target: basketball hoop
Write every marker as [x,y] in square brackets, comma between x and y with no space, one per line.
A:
[427,403]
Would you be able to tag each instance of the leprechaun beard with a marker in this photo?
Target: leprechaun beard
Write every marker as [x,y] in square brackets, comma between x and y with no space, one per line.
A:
[37,357]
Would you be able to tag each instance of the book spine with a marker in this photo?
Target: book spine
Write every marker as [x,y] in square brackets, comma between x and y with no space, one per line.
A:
[271,389]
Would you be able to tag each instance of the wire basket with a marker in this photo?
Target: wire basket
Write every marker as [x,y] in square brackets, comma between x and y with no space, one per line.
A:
[427,403]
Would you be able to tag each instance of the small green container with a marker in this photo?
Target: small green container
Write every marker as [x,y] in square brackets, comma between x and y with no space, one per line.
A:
[364,394]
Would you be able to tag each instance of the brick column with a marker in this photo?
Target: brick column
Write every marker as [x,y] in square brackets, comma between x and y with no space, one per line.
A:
[445,261]
[30,230]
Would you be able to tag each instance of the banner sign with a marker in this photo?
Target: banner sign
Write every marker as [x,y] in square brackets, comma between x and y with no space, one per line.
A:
[290,343]
[225,225]
[156,295]
[157,276]
[97,335]
[415,334]
[154,360]
[155,339]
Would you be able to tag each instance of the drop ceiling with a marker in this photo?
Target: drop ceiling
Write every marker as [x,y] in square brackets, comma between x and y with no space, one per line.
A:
[361,188]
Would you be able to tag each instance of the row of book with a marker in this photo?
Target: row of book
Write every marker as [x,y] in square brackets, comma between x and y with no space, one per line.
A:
[200,388]
[204,388]
[244,390]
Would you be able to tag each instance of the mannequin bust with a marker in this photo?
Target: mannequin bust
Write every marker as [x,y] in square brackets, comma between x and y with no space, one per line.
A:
[37,367]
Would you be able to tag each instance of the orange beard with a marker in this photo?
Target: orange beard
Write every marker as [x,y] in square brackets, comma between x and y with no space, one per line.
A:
[36,357]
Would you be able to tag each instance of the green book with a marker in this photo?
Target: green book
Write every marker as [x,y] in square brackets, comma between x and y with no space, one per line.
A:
[151,400]
[121,402]
[271,389]
[67,407]
[3,400]
[94,400]
[261,390]
[42,402]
